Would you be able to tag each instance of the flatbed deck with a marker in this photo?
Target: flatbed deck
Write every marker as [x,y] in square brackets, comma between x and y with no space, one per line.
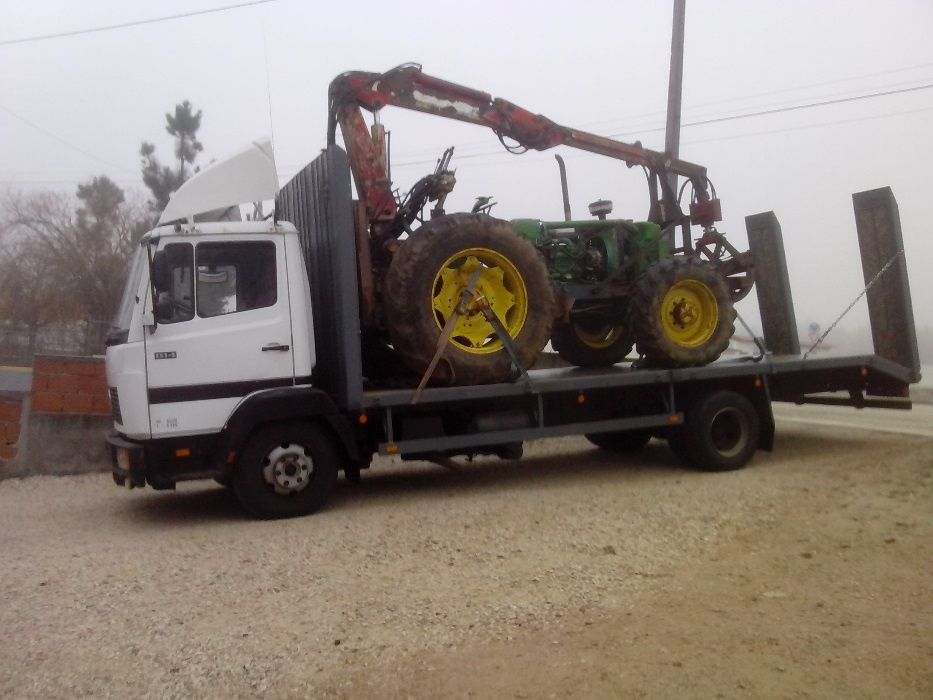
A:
[790,378]
[625,397]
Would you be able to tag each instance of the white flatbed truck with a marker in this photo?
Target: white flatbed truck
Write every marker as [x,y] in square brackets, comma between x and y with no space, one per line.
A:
[236,357]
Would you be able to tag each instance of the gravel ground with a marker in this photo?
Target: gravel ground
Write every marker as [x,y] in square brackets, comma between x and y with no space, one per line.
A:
[569,573]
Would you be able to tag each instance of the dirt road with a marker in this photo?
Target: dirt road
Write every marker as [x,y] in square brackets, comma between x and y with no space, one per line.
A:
[569,573]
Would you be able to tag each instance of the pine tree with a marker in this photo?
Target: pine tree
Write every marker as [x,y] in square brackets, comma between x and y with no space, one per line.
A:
[162,180]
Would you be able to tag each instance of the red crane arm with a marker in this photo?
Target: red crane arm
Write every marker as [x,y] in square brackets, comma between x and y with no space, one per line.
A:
[407,87]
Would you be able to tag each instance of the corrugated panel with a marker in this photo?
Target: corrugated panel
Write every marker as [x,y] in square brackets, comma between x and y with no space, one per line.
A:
[318,202]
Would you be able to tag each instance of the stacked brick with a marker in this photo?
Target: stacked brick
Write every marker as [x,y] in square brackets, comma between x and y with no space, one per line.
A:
[69,385]
[10,409]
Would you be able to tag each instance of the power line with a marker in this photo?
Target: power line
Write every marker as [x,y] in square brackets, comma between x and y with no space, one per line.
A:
[792,108]
[541,159]
[768,93]
[62,141]
[153,20]
[800,127]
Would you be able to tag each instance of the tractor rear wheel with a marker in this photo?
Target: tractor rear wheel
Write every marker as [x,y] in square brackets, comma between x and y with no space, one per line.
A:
[591,343]
[682,313]
[427,278]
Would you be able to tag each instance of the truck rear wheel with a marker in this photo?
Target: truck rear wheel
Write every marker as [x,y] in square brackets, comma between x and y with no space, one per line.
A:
[285,470]
[427,277]
[591,343]
[682,313]
[620,441]
[721,432]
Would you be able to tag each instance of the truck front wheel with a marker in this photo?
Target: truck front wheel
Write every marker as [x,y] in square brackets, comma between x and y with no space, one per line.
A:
[285,470]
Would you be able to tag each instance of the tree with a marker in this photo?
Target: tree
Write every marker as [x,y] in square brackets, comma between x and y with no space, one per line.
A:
[68,257]
[30,295]
[162,180]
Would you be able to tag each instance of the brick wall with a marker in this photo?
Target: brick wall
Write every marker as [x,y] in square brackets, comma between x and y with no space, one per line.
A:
[64,428]
[69,385]
[10,409]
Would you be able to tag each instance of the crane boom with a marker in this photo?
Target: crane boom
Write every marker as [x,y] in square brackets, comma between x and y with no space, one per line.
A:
[408,87]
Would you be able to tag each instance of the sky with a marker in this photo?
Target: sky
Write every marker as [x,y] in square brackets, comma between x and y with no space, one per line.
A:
[78,106]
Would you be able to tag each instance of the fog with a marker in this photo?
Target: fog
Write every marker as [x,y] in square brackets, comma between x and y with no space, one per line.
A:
[78,106]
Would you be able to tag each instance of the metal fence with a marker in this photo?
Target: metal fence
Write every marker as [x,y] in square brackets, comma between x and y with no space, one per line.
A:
[82,338]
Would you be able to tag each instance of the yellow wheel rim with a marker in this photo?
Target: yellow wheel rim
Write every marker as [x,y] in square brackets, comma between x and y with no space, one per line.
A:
[499,286]
[689,313]
[598,338]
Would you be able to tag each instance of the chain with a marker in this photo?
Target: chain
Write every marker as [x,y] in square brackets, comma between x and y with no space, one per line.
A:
[854,302]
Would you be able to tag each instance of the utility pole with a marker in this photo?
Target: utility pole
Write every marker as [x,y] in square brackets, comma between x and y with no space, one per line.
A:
[675,88]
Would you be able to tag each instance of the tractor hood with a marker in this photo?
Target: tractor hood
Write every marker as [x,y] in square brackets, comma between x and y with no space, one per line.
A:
[247,176]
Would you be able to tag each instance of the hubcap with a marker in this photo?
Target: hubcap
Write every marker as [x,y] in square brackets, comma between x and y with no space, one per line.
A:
[729,432]
[288,468]
[598,337]
[498,287]
[689,313]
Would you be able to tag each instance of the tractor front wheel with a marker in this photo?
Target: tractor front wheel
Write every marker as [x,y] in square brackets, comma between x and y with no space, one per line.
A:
[682,313]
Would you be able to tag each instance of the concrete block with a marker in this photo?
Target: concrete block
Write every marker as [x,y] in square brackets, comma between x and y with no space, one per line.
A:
[62,444]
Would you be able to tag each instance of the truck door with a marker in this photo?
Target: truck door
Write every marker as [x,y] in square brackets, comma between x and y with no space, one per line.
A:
[223,330]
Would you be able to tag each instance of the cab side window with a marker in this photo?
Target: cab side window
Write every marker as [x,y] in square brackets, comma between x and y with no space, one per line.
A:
[174,283]
[235,276]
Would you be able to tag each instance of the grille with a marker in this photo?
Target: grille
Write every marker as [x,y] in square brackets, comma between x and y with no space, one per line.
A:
[115,405]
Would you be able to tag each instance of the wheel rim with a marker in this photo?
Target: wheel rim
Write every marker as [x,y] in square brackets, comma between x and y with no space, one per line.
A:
[288,468]
[499,286]
[689,313]
[598,337]
[729,432]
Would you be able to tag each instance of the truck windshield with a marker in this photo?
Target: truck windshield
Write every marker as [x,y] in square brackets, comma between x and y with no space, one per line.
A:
[120,328]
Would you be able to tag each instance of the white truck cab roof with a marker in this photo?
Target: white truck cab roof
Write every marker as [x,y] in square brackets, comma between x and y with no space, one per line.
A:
[213,228]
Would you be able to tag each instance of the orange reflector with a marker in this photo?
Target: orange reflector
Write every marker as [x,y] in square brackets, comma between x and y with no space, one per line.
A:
[581,399]
[231,458]
[864,371]
[391,449]
[363,419]
[757,383]
[673,420]
[183,452]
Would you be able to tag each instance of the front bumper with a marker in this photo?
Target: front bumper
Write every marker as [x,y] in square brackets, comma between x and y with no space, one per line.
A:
[128,461]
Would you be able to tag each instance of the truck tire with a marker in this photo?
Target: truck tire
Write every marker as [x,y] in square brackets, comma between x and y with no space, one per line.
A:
[620,441]
[285,470]
[591,344]
[427,277]
[681,313]
[721,432]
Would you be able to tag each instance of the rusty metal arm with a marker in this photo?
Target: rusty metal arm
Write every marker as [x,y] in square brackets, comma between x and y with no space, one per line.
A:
[408,87]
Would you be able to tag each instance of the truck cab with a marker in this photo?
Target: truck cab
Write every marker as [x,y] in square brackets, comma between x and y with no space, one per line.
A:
[212,313]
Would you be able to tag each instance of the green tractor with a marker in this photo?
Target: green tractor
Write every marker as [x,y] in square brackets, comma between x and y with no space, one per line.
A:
[622,283]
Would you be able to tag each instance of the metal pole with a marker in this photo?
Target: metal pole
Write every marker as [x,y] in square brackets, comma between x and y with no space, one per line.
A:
[675,88]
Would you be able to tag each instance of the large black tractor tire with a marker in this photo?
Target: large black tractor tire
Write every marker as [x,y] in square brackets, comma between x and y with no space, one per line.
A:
[681,313]
[721,432]
[427,278]
[285,470]
[591,343]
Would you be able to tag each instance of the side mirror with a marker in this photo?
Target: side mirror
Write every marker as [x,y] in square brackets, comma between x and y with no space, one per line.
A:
[161,272]
[162,310]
